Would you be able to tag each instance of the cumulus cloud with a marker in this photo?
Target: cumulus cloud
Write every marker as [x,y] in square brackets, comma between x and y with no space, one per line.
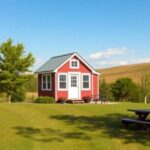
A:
[116,57]
[108,53]
[113,62]
[141,60]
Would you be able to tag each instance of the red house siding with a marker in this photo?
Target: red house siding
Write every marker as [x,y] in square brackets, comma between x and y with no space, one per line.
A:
[95,82]
[66,68]
[46,92]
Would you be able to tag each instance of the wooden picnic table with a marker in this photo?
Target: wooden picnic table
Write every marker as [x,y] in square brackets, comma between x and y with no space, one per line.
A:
[142,122]
[141,113]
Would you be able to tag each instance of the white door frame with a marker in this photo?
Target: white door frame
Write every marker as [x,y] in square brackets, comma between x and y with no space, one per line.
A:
[79,83]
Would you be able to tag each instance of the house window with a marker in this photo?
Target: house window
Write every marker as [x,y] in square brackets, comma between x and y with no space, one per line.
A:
[86,82]
[74,63]
[62,81]
[46,82]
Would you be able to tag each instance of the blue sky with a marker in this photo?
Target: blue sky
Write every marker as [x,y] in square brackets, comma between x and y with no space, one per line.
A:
[105,32]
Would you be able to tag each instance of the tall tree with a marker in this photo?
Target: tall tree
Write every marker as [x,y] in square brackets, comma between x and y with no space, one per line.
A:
[122,89]
[145,86]
[14,62]
[105,90]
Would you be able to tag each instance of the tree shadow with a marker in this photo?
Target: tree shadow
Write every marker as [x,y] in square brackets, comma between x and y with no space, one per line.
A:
[109,125]
[48,134]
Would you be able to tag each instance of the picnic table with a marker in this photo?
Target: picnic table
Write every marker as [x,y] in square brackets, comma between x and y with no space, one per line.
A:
[141,113]
[141,120]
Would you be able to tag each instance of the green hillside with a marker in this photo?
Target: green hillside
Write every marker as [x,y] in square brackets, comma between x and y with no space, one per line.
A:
[134,72]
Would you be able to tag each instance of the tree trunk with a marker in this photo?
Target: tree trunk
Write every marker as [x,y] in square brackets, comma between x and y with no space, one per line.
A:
[145,99]
[9,99]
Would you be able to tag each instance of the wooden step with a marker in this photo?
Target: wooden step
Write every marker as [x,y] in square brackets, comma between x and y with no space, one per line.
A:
[78,101]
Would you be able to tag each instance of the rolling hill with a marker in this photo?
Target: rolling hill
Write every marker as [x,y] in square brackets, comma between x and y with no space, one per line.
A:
[135,72]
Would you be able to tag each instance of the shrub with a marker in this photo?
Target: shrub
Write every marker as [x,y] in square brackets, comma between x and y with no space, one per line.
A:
[61,100]
[69,101]
[18,95]
[87,99]
[45,99]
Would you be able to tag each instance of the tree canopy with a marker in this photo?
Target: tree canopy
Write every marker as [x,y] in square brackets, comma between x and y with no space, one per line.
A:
[124,89]
[14,62]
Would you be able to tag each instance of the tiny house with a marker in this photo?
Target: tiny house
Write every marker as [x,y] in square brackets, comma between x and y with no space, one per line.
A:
[67,76]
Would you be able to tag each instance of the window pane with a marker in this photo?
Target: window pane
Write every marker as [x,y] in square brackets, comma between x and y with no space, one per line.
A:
[62,77]
[48,78]
[62,85]
[44,85]
[85,78]
[73,85]
[85,84]
[74,63]
[44,78]
[48,85]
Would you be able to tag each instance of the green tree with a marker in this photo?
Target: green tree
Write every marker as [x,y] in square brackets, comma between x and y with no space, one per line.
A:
[14,62]
[124,89]
[105,90]
[145,86]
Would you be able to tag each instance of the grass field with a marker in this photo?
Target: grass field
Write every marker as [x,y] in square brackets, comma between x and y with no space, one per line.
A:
[69,127]
[134,72]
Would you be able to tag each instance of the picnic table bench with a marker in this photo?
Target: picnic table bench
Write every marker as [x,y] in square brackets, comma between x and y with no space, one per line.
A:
[140,121]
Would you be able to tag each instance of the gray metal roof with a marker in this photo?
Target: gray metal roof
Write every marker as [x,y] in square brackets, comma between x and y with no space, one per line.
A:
[53,63]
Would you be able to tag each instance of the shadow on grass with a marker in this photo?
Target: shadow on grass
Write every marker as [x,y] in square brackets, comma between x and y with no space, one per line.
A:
[48,134]
[110,125]
[84,126]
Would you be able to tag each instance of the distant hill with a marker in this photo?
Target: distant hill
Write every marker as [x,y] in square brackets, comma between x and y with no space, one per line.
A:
[134,72]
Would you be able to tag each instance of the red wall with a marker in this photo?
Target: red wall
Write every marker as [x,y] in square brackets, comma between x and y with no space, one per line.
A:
[96,82]
[66,68]
[46,92]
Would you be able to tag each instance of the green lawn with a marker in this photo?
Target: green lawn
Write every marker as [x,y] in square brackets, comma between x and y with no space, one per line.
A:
[69,127]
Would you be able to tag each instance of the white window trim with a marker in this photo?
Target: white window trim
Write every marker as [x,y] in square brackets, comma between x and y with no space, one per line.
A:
[86,89]
[60,89]
[46,82]
[75,61]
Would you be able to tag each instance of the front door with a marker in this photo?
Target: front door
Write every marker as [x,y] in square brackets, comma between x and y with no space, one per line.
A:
[73,86]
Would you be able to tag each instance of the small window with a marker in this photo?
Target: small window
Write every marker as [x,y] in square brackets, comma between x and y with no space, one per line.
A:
[86,82]
[73,81]
[62,81]
[46,82]
[74,63]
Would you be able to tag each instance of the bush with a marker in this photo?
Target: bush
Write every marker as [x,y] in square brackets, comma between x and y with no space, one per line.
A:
[45,99]
[69,101]
[62,100]
[18,95]
[87,99]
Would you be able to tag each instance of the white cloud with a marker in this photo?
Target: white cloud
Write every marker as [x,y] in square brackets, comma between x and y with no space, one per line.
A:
[112,62]
[108,53]
[141,60]
[116,57]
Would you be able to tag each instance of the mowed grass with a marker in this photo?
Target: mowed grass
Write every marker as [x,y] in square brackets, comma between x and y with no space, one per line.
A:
[134,72]
[69,127]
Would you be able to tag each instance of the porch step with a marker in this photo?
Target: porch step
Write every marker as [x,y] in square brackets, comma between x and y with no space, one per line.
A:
[78,101]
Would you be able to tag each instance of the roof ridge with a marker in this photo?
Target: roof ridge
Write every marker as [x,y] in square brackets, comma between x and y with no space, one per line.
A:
[63,55]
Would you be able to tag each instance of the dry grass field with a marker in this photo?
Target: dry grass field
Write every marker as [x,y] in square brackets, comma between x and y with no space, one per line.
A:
[134,72]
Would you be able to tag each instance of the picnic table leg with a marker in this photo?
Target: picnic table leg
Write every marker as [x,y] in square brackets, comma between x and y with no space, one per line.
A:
[142,116]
